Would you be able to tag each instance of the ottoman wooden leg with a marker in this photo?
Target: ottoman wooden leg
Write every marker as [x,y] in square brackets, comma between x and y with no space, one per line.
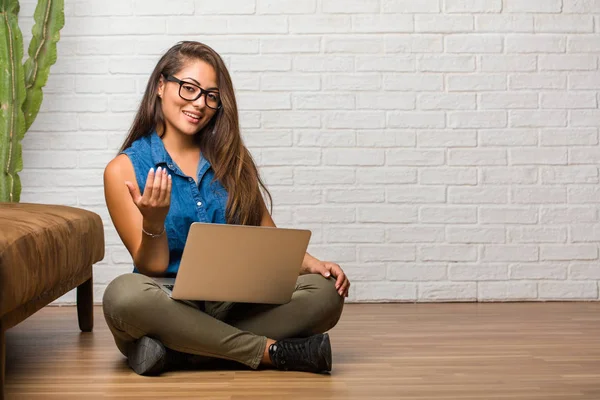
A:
[2,362]
[85,305]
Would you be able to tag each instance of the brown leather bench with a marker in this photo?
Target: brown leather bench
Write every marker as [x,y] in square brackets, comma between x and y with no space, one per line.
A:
[45,251]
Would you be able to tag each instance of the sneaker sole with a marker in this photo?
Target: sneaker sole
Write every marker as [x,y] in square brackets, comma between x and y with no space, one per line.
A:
[326,351]
[147,357]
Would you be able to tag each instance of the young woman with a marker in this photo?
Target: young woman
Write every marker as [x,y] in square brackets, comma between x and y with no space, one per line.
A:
[184,161]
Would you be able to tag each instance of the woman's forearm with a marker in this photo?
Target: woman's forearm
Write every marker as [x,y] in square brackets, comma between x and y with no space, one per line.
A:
[152,257]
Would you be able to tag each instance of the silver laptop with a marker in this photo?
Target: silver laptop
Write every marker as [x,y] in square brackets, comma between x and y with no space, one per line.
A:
[238,263]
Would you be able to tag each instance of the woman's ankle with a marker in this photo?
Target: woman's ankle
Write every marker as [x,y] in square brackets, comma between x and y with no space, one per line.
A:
[266,358]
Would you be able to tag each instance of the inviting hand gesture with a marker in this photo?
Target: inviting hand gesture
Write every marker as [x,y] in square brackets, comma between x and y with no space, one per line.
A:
[154,204]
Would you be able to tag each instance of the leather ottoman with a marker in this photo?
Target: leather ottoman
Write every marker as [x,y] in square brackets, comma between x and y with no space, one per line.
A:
[45,251]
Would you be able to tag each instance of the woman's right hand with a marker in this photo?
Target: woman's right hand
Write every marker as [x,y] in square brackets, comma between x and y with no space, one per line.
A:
[154,204]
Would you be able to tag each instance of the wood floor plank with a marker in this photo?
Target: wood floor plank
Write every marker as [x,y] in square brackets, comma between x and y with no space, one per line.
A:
[456,351]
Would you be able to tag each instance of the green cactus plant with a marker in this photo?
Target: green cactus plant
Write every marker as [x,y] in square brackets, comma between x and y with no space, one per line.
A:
[21,84]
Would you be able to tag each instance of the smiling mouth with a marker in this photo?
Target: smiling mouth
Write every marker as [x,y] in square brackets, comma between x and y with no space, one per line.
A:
[189,114]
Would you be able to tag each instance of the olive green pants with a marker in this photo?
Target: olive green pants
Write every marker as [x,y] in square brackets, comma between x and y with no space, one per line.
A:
[135,306]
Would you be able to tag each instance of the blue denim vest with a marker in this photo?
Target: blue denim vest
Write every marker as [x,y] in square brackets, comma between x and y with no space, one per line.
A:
[204,202]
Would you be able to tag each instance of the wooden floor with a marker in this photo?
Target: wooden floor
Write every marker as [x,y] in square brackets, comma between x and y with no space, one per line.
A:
[464,351]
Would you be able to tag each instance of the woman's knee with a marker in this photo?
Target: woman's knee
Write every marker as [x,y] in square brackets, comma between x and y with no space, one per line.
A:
[126,293]
[332,297]
[328,303]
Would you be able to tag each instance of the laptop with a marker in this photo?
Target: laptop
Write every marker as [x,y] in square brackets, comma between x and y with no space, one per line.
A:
[238,263]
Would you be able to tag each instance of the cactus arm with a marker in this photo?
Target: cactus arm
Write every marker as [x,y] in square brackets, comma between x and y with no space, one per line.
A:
[12,96]
[10,6]
[49,19]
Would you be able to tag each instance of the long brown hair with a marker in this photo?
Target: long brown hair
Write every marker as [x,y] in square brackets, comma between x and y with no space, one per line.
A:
[220,140]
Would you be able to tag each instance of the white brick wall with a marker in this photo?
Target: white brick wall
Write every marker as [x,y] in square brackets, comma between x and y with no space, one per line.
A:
[438,149]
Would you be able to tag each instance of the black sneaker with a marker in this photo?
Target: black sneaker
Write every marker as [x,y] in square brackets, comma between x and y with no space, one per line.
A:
[147,356]
[311,354]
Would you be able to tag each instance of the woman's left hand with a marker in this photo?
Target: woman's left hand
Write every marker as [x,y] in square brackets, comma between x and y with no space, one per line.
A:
[326,268]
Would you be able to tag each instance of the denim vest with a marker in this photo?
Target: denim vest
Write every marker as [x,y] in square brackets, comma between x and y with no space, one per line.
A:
[204,202]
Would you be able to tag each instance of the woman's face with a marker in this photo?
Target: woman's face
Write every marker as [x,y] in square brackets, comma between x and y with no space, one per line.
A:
[184,116]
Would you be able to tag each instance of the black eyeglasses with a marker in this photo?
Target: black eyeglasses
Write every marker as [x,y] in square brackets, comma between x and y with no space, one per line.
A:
[191,92]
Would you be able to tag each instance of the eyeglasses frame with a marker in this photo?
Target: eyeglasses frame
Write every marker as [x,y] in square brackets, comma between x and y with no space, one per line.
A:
[171,78]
